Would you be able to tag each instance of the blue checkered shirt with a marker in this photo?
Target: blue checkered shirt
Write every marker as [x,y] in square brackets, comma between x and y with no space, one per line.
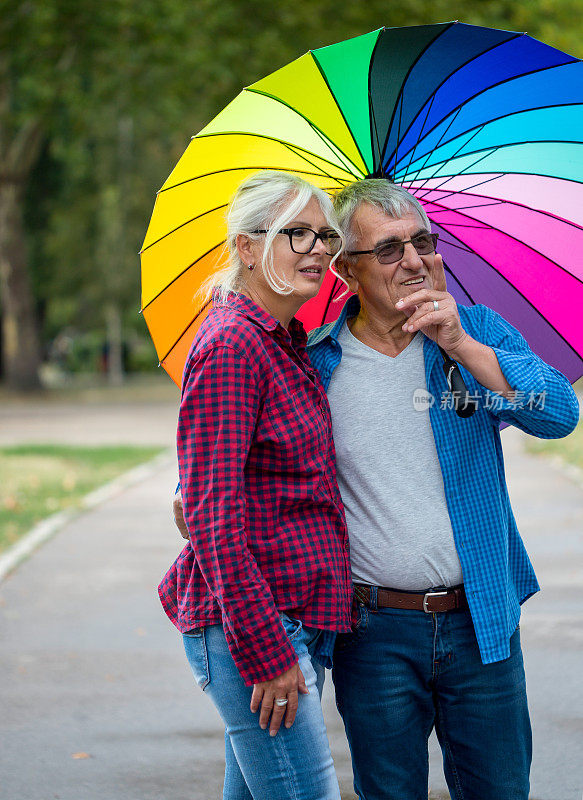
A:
[498,575]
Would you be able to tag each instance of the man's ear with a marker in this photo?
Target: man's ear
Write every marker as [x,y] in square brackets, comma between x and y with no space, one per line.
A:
[345,269]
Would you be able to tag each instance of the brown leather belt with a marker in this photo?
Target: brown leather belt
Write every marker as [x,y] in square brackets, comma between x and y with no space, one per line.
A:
[432,601]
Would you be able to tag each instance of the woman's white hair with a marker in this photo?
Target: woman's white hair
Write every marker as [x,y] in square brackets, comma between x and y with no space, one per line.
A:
[268,200]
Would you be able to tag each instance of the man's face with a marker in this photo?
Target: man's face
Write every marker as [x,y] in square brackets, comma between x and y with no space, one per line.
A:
[382,285]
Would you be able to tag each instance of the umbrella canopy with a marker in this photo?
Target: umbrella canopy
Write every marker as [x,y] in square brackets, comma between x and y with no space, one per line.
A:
[483,126]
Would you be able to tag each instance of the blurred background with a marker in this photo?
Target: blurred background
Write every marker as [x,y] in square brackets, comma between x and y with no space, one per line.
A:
[98,100]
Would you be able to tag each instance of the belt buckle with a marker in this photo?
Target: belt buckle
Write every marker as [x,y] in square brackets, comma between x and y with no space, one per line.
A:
[427,595]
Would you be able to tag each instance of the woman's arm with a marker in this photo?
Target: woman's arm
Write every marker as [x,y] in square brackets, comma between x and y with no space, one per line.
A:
[218,415]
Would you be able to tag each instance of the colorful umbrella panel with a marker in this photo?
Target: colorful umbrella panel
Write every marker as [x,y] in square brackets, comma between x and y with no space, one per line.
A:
[483,126]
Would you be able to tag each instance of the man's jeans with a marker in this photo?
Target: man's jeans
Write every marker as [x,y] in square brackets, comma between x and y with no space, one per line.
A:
[404,672]
[296,763]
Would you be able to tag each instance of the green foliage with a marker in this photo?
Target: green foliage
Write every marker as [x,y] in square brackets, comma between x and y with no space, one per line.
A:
[120,86]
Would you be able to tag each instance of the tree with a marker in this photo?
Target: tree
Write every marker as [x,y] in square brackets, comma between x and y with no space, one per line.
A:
[111,91]
[63,66]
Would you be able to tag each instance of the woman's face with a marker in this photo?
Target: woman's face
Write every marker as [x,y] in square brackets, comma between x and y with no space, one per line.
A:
[303,272]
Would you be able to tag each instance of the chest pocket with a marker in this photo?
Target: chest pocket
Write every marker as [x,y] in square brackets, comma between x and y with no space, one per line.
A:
[295,426]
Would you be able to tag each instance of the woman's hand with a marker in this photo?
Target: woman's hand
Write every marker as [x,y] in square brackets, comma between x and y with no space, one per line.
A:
[285,687]
[178,510]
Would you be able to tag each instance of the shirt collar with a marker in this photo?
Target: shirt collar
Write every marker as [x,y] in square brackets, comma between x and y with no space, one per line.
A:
[244,305]
[351,309]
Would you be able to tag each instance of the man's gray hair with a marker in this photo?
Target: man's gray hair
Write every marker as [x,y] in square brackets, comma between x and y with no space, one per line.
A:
[380,192]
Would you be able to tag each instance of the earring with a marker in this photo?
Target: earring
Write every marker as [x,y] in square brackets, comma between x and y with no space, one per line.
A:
[251,266]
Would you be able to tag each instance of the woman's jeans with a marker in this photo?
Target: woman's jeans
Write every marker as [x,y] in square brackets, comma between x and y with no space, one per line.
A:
[296,763]
[403,673]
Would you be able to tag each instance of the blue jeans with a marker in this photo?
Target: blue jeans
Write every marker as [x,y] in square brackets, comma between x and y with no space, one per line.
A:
[405,672]
[296,763]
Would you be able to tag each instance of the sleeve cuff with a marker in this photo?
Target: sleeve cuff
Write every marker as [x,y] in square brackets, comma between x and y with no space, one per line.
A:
[256,667]
[522,373]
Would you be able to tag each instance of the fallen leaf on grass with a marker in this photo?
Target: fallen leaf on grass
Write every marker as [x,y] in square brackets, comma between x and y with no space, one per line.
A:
[69,483]
[11,503]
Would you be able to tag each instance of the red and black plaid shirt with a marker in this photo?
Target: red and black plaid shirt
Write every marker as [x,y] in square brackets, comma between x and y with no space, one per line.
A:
[258,479]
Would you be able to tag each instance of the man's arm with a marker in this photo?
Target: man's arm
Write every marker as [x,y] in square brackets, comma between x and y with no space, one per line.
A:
[530,394]
[543,402]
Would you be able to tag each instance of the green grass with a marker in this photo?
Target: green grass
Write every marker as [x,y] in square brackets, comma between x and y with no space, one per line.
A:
[39,480]
[570,449]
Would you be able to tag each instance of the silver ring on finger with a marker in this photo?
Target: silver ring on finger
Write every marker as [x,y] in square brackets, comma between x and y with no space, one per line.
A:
[435,305]
[281,701]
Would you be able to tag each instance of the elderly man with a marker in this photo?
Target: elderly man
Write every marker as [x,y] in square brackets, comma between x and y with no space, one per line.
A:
[438,566]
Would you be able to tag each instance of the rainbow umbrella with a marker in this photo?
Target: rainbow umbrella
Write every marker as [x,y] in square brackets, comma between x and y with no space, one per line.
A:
[483,126]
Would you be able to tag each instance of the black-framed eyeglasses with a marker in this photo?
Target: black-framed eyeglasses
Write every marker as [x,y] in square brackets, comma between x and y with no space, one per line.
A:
[389,252]
[302,240]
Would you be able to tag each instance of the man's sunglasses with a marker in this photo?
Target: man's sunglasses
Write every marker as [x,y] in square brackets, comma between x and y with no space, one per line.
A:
[389,252]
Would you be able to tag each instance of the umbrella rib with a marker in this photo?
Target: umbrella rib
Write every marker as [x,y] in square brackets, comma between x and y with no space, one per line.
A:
[467,188]
[515,239]
[448,269]
[376,132]
[542,211]
[376,166]
[437,145]
[239,169]
[326,141]
[325,79]
[461,172]
[463,208]
[192,321]
[180,274]
[494,86]
[444,163]
[230,169]
[329,301]
[409,71]
[487,152]
[450,74]
[398,130]
[457,246]
[182,225]
[497,119]
[503,145]
[224,205]
[315,128]
[305,158]
[418,139]
[526,300]
[484,227]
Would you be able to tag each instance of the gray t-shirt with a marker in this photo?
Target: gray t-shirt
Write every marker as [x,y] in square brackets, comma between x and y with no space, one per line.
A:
[388,472]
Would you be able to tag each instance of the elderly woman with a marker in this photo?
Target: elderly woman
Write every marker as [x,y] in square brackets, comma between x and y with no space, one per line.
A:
[266,572]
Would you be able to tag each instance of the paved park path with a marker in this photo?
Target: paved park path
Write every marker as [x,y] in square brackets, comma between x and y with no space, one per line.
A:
[97,700]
